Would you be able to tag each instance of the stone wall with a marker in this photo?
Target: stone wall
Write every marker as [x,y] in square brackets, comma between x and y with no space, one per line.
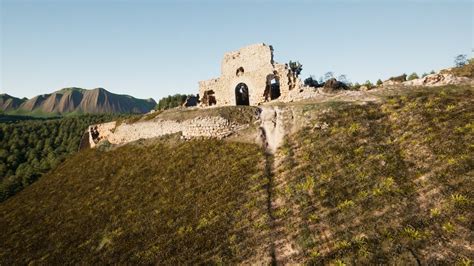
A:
[212,127]
[254,66]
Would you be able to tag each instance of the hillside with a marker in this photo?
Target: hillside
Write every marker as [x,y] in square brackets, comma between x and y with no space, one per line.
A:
[31,146]
[387,183]
[77,100]
[138,204]
[364,182]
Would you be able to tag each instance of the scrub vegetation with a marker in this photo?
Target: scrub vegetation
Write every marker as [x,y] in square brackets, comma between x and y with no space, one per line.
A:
[382,183]
[387,182]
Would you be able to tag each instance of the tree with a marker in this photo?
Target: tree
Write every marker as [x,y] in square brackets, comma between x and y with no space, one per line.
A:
[296,67]
[343,78]
[412,76]
[424,75]
[311,82]
[172,101]
[460,60]
[328,75]
[356,86]
[29,148]
[368,84]
[432,72]
[379,82]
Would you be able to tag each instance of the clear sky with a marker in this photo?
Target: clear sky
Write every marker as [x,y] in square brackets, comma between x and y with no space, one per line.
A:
[155,48]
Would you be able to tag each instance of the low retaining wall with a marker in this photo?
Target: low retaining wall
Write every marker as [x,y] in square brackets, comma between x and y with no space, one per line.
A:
[212,127]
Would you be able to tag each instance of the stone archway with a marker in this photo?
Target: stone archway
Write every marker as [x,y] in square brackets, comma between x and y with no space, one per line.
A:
[242,94]
[272,88]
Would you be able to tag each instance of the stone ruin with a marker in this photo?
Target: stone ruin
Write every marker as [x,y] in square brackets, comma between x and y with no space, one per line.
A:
[249,76]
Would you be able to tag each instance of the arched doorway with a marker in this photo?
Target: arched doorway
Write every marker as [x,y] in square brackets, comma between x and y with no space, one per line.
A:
[275,88]
[242,94]
[272,89]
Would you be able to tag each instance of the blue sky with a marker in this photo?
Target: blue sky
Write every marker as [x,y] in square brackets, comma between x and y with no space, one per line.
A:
[155,48]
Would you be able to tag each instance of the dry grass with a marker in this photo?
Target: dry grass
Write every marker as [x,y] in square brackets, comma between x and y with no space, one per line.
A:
[383,181]
[186,203]
[464,71]
[237,114]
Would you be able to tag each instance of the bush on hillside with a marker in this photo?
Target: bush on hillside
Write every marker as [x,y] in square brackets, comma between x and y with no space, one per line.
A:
[466,70]
[312,82]
[172,101]
[413,76]
[401,78]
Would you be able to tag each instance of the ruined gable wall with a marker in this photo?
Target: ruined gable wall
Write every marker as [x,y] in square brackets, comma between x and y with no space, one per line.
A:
[258,68]
[253,58]
[256,61]
[288,84]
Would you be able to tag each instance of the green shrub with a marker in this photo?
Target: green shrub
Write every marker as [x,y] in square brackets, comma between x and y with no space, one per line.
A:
[412,76]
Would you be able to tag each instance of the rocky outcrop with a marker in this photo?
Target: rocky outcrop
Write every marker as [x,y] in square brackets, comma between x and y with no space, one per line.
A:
[332,85]
[272,128]
[439,80]
[397,80]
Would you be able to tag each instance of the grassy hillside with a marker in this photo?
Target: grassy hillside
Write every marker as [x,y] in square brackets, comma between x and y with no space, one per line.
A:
[375,183]
[382,183]
[29,148]
[466,70]
[183,203]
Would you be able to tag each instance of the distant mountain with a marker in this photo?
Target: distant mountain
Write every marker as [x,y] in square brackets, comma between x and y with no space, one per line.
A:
[8,102]
[70,100]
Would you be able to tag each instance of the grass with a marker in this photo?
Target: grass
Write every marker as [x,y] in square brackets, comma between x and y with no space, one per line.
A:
[237,114]
[184,203]
[394,172]
[380,183]
[464,71]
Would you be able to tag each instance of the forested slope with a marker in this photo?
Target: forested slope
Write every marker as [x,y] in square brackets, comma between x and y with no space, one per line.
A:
[32,147]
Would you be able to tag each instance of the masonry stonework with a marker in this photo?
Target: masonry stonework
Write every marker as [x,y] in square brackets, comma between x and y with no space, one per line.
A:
[210,127]
[249,76]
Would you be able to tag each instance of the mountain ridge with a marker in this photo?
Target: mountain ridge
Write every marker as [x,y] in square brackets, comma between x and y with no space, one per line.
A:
[74,99]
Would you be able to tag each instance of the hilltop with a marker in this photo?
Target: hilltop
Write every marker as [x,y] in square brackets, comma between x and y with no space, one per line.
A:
[76,100]
[384,179]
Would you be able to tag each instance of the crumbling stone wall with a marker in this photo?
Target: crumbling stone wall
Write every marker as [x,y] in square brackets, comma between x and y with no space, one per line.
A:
[212,127]
[253,66]
[100,132]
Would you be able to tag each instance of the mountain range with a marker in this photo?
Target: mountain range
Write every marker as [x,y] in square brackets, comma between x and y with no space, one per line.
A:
[70,100]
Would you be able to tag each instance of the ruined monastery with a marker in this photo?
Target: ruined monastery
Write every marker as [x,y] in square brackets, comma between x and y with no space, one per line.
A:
[249,76]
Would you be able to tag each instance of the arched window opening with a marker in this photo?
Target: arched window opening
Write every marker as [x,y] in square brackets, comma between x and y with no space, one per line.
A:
[239,72]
